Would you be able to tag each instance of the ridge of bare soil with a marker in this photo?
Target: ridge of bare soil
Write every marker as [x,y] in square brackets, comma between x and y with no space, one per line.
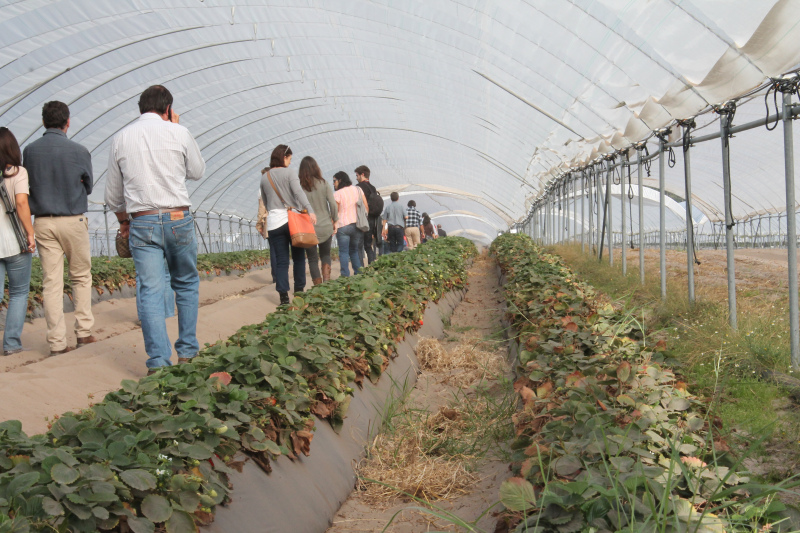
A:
[476,321]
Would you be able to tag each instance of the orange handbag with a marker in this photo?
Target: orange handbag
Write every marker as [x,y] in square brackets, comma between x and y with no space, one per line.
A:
[301,229]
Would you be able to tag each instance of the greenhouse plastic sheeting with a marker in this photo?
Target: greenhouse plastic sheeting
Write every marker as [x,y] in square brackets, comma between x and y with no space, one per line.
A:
[479,103]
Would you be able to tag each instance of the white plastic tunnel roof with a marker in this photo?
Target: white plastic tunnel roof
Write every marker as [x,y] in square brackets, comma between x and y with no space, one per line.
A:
[471,105]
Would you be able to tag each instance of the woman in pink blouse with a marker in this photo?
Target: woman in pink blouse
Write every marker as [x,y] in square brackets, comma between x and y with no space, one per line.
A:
[349,238]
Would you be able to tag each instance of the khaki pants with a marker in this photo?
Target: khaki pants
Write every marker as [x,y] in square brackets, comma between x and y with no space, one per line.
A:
[55,238]
[412,234]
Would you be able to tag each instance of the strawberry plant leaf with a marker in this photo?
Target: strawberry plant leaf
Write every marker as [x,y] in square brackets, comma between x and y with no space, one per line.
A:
[22,482]
[52,507]
[156,508]
[138,479]
[517,494]
[63,474]
[181,522]
[140,524]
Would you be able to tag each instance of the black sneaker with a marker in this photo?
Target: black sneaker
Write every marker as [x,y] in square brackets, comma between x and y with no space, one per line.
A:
[284,298]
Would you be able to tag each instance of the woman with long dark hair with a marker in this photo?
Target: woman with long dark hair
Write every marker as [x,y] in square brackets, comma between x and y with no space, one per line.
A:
[14,261]
[320,196]
[349,238]
[427,225]
[280,189]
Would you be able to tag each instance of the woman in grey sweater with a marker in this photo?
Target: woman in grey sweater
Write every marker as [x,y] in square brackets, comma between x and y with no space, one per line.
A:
[320,195]
[287,183]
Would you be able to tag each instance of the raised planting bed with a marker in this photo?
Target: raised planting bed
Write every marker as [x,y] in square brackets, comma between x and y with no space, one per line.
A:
[115,275]
[303,495]
[608,437]
[161,450]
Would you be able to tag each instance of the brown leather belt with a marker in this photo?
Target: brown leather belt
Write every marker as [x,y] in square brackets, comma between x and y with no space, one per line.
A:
[159,211]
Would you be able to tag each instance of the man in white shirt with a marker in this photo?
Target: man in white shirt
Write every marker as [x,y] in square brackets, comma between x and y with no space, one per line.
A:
[149,164]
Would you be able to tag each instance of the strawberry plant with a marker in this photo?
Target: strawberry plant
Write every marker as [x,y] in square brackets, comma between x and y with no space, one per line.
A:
[159,451]
[608,437]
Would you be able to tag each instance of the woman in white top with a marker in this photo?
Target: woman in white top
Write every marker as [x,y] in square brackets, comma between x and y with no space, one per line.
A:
[13,260]
[285,184]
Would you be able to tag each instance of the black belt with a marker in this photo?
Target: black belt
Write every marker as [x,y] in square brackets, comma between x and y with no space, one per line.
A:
[54,216]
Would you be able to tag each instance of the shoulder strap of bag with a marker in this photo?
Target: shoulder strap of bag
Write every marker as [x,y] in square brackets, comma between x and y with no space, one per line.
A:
[8,203]
[287,206]
[362,198]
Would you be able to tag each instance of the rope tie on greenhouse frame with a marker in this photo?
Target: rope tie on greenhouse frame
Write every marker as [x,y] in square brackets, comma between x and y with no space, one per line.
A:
[778,86]
[663,135]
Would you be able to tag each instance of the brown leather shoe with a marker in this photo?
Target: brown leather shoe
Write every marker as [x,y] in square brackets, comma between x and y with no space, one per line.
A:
[65,350]
[184,360]
[151,371]
[86,340]
[317,281]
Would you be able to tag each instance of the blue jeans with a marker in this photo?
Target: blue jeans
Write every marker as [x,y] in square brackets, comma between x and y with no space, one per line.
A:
[280,244]
[351,240]
[18,268]
[156,240]
[169,296]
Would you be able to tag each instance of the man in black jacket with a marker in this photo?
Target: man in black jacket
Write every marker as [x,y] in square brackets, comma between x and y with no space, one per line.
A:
[374,210]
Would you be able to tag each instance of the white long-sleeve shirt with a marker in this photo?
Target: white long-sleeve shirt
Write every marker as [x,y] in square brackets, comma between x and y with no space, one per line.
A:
[149,164]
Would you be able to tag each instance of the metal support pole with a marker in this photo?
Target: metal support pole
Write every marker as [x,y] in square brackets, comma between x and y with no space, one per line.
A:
[554,218]
[623,194]
[221,239]
[609,179]
[641,216]
[545,214]
[598,190]
[583,213]
[208,230]
[546,220]
[108,236]
[574,209]
[791,229]
[687,169]
[662,221]
[560,214]
[729,224]
[597,187]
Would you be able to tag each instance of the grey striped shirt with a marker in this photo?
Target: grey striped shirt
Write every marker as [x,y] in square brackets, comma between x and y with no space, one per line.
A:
[149,164]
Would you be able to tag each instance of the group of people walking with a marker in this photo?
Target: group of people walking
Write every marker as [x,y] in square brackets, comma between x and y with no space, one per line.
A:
[334,212]
[149,163]
[51,180]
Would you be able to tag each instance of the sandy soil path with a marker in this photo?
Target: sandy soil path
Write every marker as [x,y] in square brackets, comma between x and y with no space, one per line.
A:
[759,271]
[477,317]
[34,385]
